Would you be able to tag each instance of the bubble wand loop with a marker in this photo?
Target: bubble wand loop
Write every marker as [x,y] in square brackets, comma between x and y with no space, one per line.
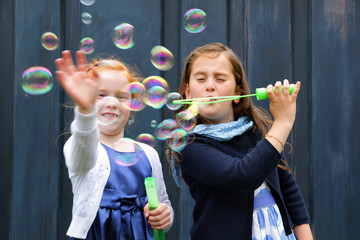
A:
[150,187]
[260,95]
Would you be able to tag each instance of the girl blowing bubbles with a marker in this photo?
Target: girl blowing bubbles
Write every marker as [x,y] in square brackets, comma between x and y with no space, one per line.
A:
[234,162]
[109,199]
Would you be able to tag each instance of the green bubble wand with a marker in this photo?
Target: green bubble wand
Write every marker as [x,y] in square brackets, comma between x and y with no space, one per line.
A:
[153,201]
[260,95]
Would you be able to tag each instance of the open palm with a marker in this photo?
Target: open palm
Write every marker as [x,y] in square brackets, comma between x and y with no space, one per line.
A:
[76,81]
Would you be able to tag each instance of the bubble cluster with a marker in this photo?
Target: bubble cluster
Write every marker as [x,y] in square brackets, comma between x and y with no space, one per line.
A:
[107,110]
[86,18]
[161,58]
[49,41]
[136,92]
[171,97]
[195,20]
[87,45]
[147,139]
[37,80]
[87,2]
[165,128]
[123,36]
[122,158]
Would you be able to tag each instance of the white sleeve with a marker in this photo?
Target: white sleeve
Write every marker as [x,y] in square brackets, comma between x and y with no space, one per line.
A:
[80,150]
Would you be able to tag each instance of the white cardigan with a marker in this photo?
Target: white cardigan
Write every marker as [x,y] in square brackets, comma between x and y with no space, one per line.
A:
[89,169]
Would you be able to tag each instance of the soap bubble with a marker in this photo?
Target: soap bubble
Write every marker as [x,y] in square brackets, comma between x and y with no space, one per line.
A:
[107,110]
[156,97]
[147,139]
[186,119]
[153,123]
[87,45]
[156,91]
[170,98]
[137,92]
[86,18]
[123,36]
[87,2]
[37,80]
[161,58]
[165,128]
[49,41]
[194,20]
[124,158]
[178,140]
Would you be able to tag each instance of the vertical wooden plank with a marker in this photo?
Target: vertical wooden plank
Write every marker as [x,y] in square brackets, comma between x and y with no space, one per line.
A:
[7,28]
[215,31]
[301,71]
[171,28]
[36,127]
[335,112]
[268,43]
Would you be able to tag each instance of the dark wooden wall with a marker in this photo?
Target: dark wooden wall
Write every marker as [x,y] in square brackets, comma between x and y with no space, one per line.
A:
[315,42]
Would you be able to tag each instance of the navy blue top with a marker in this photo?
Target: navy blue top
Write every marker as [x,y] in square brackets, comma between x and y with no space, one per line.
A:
[222,177]
[121,215]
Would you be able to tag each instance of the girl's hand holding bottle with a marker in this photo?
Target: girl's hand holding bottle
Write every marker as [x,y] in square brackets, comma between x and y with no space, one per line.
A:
[158,218]
[283,109]
[76,81]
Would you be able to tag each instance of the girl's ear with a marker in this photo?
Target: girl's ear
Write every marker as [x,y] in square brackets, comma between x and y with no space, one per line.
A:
[187,92]
[238,91]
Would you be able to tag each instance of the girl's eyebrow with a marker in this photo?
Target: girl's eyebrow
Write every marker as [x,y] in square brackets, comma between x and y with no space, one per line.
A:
[102,89]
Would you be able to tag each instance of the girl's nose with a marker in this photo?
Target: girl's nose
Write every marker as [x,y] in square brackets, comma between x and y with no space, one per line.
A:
[210,87]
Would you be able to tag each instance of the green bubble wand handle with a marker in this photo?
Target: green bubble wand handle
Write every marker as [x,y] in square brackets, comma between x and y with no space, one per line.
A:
[260,94]
[153,201]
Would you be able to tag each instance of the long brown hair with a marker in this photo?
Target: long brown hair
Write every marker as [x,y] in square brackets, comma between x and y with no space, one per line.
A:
[261,118]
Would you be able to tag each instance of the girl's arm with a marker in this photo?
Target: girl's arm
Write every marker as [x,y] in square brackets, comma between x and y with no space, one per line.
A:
[303,232]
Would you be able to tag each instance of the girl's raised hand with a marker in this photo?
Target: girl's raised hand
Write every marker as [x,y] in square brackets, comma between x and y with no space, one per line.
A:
[158,218]
[282,104]
[76,81]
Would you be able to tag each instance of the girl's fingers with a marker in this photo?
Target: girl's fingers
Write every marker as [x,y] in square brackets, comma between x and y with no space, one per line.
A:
[269,91]
[286,90]
[81,61]
[296,90]
[68,62]
[278,88]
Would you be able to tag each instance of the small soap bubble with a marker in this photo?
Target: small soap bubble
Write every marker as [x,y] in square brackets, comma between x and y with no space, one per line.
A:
[171,97]
[186,119]
[37,80]
[165,128]
[86,18]
[123,36]
[194,20]
[87,45]
[178,140]
[153,123]
[137,92]
[161,58]
[108,110]
[87,2]
[49,41]
[123,157]
[147,139]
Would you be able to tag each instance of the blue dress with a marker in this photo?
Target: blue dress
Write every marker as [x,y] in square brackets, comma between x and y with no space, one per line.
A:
[120,215]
